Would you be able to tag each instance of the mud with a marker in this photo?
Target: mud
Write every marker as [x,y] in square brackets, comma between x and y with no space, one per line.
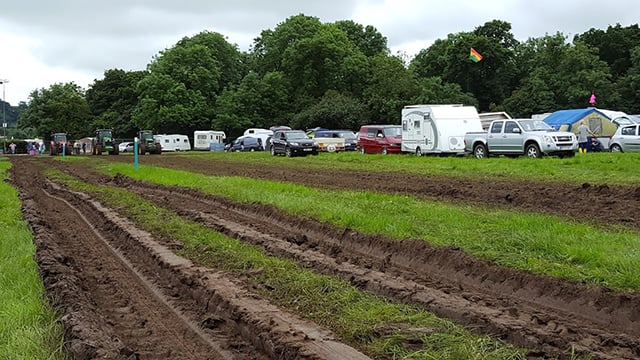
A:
[102,316]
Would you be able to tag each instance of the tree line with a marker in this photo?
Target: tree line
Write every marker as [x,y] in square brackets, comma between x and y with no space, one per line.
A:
[305,73]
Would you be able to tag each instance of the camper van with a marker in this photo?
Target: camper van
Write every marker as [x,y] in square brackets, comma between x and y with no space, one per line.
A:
[437,129]
[208,140]
[263,134]
[173,142]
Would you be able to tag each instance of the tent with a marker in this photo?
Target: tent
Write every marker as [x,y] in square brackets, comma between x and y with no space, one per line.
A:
[600,122]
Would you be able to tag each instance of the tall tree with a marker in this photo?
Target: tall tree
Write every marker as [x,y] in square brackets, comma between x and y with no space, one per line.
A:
[367,39]
[59,108]
[179,95]
[113,99]
[613,46]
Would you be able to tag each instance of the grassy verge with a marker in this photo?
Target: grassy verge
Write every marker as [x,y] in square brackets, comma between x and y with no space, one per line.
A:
[540,243]
[594,168]
[28,327]
[356,317]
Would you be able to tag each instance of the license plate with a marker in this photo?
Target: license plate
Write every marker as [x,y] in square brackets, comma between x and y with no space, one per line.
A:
[306,149]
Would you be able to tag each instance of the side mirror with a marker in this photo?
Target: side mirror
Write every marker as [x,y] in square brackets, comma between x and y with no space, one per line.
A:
[516,130]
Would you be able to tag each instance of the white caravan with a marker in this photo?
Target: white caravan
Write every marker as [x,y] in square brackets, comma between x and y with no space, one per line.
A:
[173,142]
[437,129]
[202,139]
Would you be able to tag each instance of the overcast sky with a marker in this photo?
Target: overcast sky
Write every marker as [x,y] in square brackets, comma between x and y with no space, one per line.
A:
[43,42]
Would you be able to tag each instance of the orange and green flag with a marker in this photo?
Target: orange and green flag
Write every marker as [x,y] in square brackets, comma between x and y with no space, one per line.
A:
[474,55]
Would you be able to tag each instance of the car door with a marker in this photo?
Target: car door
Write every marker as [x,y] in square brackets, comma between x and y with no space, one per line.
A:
[494,137]
[512,138]
[279,142]
[632,141]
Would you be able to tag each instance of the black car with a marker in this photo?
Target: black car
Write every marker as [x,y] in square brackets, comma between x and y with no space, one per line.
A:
[291,143]
[245,143]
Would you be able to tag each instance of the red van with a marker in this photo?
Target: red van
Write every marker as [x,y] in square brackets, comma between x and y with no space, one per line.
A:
[380,139]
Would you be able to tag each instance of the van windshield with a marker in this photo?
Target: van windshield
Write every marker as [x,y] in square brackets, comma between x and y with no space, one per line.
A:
[393,131]
[346,135]
[296,135]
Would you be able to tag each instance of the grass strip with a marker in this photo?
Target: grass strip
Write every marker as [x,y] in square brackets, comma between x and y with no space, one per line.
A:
[28,326]
[594,168]
[355,316]
[540,243]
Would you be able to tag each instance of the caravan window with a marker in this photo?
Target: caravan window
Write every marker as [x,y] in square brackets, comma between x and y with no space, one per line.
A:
[416,124]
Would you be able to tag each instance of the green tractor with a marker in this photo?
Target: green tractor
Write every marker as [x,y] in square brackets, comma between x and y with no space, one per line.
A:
[147,143]
[104,142]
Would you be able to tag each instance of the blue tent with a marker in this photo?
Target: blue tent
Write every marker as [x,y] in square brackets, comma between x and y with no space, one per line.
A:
[570,117]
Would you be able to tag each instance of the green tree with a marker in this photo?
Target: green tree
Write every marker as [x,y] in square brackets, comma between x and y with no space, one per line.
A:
[180,92]
[367,39]
[113,99]
[629,85]
[333,111]
[59,108]
[613,46]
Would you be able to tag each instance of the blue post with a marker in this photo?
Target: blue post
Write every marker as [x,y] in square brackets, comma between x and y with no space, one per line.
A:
[135,153]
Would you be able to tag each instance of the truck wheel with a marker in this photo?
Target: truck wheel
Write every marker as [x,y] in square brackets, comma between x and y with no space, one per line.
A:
[533,151]
[480,151]
[383,151]
[418,151]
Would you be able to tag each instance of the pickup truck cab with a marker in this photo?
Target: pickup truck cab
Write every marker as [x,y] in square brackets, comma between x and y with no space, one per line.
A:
[514,137]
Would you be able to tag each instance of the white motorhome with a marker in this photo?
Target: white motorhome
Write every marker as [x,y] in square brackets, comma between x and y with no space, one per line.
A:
[202,139]
[437,129]
[173,142]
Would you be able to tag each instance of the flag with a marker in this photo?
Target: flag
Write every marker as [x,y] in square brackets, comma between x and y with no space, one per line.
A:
[474,55]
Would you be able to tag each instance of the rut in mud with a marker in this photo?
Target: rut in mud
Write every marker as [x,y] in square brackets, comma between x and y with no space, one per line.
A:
[541,313]
[124,295]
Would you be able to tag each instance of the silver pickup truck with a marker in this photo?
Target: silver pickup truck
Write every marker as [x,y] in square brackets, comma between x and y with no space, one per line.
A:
[515,137]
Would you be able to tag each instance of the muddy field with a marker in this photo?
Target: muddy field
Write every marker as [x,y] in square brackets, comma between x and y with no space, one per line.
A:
[124,294]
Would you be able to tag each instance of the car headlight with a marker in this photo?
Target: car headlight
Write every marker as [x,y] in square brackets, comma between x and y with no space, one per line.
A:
[547,138]
[294,144]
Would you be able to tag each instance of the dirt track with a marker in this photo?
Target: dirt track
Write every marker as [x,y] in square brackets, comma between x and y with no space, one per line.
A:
[141,299]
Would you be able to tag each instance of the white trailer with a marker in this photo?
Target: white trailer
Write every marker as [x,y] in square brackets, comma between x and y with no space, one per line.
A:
[173,142]
[202,139]
[263,134]
[437,129]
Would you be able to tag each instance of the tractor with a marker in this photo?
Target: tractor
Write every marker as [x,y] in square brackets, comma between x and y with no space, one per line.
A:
[147,143]
[104,142]
[60,144]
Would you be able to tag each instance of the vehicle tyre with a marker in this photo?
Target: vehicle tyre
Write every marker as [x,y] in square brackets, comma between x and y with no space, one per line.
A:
[480,151]
[418,151]
[616,148]
[315,153]
[362,150]
[533,151]
[252,149]
[288,152]
[384,151]
[273,151]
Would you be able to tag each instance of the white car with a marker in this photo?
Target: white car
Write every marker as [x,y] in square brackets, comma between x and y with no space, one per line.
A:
[626,138]
[125,147]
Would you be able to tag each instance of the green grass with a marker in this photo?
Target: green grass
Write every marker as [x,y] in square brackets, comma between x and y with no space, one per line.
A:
[541,243]
[594,168]
[28,327]
[355,316]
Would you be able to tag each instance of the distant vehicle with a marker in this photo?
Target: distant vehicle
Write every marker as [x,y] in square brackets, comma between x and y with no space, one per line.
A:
[350,139]
[202,139]
[626,139]
[147,143]
[245,143]
[60,144]
[437,129]
[515,137]
[380,139]
[291,143]
[125,147]
[173,142]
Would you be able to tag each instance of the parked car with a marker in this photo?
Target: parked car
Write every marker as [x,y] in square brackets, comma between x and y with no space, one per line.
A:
[380,139]
[626,139]
[291,143]
[245,143]
[125,147]
[350,140]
